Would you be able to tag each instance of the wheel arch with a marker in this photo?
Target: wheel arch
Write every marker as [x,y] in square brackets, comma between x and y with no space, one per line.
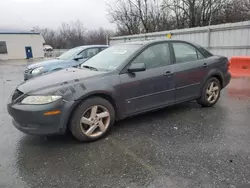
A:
[219,77]
[213,73]
[103,95]
[202,99]
[217,74]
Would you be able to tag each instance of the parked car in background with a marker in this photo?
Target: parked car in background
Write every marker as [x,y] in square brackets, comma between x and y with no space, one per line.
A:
[47,47]
[121,81]
[47,50]
[71,58]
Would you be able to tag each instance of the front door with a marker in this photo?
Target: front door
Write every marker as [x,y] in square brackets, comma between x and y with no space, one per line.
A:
[142,91]
[189,69]
[28,51]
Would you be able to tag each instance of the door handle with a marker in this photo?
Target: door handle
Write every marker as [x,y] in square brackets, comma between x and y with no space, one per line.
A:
[168,73]
[205,65]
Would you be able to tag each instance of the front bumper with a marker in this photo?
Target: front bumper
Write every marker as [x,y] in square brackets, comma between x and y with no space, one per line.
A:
[30,119]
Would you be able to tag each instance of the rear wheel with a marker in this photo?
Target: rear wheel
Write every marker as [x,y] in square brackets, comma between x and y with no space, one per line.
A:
[92,119]
[210,93]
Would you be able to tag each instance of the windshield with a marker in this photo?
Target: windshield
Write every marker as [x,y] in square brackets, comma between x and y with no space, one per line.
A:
[112,57]
[70,54]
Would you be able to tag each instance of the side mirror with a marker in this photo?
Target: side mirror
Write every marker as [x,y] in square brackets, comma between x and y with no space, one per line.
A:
[137,67]
[77,57]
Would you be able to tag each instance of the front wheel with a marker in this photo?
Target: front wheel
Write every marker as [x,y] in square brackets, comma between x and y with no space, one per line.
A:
[92,119]
[210,93]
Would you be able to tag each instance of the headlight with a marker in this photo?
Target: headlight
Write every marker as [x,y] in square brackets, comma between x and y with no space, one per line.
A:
[37,70]
[40,99]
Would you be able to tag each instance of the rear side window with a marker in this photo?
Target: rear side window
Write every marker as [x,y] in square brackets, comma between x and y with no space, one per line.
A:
[186,53]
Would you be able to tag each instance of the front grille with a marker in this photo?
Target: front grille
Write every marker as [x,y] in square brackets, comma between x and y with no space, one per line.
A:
[17,94]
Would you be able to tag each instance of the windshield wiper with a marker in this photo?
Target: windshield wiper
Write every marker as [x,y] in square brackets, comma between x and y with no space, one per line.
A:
[89,67]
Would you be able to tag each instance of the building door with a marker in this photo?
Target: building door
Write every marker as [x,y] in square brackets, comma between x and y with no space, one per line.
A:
[28,51]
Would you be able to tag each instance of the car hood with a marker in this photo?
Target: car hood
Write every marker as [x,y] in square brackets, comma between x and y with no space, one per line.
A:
[47,63]
[57,79]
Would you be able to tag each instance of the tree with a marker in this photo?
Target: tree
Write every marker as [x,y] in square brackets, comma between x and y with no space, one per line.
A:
[142,16]
[193,13]
[123,15]
[139,16]
[98,36]
[73,34]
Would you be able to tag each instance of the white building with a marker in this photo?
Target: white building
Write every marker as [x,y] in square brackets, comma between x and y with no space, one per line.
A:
[20,45]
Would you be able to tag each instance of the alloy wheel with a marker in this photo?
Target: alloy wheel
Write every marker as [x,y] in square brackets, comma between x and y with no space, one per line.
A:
[95,121]
[212,92]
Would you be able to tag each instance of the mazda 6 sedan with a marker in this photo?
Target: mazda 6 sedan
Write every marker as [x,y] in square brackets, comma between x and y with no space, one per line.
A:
[123,80]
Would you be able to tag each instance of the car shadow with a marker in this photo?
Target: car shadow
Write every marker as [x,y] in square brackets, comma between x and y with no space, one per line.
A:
[157,115]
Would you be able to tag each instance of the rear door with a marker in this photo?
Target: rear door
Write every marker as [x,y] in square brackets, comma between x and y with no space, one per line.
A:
[152,88]
[190,70]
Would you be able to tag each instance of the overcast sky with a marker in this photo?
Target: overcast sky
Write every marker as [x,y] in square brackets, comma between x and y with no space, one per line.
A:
[24,14]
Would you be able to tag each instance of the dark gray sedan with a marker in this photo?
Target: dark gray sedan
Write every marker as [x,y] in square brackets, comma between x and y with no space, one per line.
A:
[121,81]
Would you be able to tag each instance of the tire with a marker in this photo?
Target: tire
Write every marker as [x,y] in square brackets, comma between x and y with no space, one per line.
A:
[204,99]
[83,113]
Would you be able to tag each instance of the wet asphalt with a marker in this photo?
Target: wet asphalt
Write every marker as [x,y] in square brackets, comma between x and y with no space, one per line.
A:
[182,146]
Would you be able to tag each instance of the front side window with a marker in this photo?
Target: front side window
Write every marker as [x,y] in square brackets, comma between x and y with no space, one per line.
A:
[88,53]
[186,53]
[155,56]
[70,54]
[3,47]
